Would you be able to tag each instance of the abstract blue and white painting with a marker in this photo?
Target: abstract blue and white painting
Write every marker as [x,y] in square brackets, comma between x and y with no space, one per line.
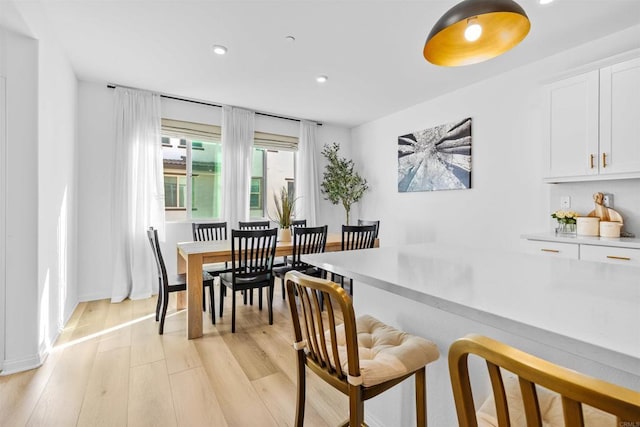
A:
[438,158]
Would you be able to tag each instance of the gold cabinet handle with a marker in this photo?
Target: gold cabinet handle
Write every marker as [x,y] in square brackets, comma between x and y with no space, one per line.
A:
[591,160]
[555,251]
[622,258]
[604,160]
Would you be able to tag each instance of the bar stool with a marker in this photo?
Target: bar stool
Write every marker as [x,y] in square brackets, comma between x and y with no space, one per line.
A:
[361,357]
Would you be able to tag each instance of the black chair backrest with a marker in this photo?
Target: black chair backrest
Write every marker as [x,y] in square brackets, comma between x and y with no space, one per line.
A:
[358,237]
[252,253]
[298,223]
[209,231]
[253,225]
[365,222]
[152,234]
[308,240]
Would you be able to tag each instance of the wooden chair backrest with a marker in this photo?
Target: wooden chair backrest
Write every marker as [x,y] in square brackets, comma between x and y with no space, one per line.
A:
[209,231]
[252,253]
[152,234]
[298,222]
[366,222]
[310,323]
[308,240]
[358,237]
[575,388]
[253,225]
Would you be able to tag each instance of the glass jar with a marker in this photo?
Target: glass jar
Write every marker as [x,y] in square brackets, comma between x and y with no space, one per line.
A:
[566,228]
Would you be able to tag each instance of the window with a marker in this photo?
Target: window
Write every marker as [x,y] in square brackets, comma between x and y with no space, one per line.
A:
[192,155]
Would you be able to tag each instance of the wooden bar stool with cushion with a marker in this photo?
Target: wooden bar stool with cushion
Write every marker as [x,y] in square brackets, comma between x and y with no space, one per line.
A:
[533,392]
[361,357]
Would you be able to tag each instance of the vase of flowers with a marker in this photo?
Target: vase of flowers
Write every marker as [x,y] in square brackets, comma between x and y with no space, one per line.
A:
[284,207]
[566,221]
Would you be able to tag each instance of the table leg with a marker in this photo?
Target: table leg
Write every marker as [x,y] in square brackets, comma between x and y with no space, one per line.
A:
[181,297]
[194,296]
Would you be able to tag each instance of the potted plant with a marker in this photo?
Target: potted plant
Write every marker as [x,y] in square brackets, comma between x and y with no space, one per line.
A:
[340,183]
[284,206]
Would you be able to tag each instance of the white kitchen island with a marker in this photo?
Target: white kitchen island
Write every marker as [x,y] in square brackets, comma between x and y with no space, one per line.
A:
[580,314]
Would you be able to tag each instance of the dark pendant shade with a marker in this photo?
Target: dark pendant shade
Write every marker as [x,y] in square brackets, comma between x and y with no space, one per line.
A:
[504,25]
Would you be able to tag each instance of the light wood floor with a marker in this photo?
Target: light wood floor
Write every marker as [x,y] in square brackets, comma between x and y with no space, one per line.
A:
[111,368]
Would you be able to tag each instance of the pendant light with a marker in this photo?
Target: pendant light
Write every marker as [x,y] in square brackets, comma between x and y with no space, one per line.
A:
[474,31]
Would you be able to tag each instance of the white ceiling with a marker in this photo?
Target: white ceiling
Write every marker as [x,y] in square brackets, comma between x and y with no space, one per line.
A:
[371,50]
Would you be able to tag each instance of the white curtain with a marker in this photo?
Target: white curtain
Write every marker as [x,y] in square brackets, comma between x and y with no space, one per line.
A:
[237,152]
[138,198]
[307,185]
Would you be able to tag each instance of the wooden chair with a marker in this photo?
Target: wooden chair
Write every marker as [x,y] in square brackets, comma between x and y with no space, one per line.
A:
[356,237]
[348,356]
[298,222]
[366,222]
[165,286]
[306,240]
[253,225]
[210,231]
[537,385]
[252,253]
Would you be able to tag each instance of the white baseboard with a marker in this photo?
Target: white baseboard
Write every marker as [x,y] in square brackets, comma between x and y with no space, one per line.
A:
[12,366]
[372,421]
[93,296]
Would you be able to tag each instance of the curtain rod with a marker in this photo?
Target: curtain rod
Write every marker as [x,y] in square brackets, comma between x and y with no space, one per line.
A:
[210,104]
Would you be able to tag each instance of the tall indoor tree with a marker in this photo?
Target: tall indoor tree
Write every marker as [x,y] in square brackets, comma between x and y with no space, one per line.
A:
[340,182]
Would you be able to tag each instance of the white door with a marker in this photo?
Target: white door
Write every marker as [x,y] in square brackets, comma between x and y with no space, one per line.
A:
[573,126]
[3,210]
[620,118]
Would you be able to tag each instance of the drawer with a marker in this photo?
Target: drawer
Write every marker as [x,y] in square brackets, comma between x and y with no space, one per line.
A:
[610,254]
[554,249]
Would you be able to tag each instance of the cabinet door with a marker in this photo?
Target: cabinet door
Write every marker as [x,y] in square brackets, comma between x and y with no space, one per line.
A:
[573,126]
[620,118]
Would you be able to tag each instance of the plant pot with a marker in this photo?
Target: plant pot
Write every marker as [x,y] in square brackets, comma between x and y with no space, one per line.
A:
[285,234]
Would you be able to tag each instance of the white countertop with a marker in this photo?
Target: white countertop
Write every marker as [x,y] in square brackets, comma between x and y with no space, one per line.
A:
[620,242]
[591,309]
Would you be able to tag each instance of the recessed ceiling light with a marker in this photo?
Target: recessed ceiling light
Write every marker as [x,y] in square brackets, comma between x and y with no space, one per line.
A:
[545,1]
[290,39]
[322,79]
[219,49]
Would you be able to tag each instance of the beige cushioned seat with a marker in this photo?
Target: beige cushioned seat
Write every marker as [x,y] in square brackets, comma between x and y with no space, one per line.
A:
[385,352]
[550,409]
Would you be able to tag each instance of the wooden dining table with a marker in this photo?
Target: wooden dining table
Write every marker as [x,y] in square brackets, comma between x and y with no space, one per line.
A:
[193,255]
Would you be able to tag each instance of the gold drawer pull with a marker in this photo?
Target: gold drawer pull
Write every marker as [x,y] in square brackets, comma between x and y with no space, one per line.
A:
[604,160]
[591,161]
[555,251]
[623,258]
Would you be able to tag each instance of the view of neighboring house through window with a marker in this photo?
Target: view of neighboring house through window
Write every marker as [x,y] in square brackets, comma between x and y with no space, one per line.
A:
[192,155]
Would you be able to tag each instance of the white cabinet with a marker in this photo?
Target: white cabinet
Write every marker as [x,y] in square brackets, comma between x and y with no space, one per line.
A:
[611,255]
[594,125]
[553,249]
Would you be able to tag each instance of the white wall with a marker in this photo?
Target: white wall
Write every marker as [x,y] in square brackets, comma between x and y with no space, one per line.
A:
[507,197]
[19,59]
[96,135]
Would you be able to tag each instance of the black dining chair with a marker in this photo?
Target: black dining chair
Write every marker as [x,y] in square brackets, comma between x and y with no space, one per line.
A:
[252,253]
[253,225]
[306,240]
[298,222]
[367,222]
[356,237]
[210,231]
[177,283]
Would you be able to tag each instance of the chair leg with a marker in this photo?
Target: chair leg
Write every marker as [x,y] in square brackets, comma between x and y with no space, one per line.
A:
[204,298]
[233,311]
[165,303]
[300,395]
[259,298]
[212,302]
[282,284]
[269,301]
[159,304]
[356,406]
[222,290]
[421,398]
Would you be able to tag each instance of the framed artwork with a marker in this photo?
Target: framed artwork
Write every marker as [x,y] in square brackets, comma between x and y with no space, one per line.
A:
[438,158]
